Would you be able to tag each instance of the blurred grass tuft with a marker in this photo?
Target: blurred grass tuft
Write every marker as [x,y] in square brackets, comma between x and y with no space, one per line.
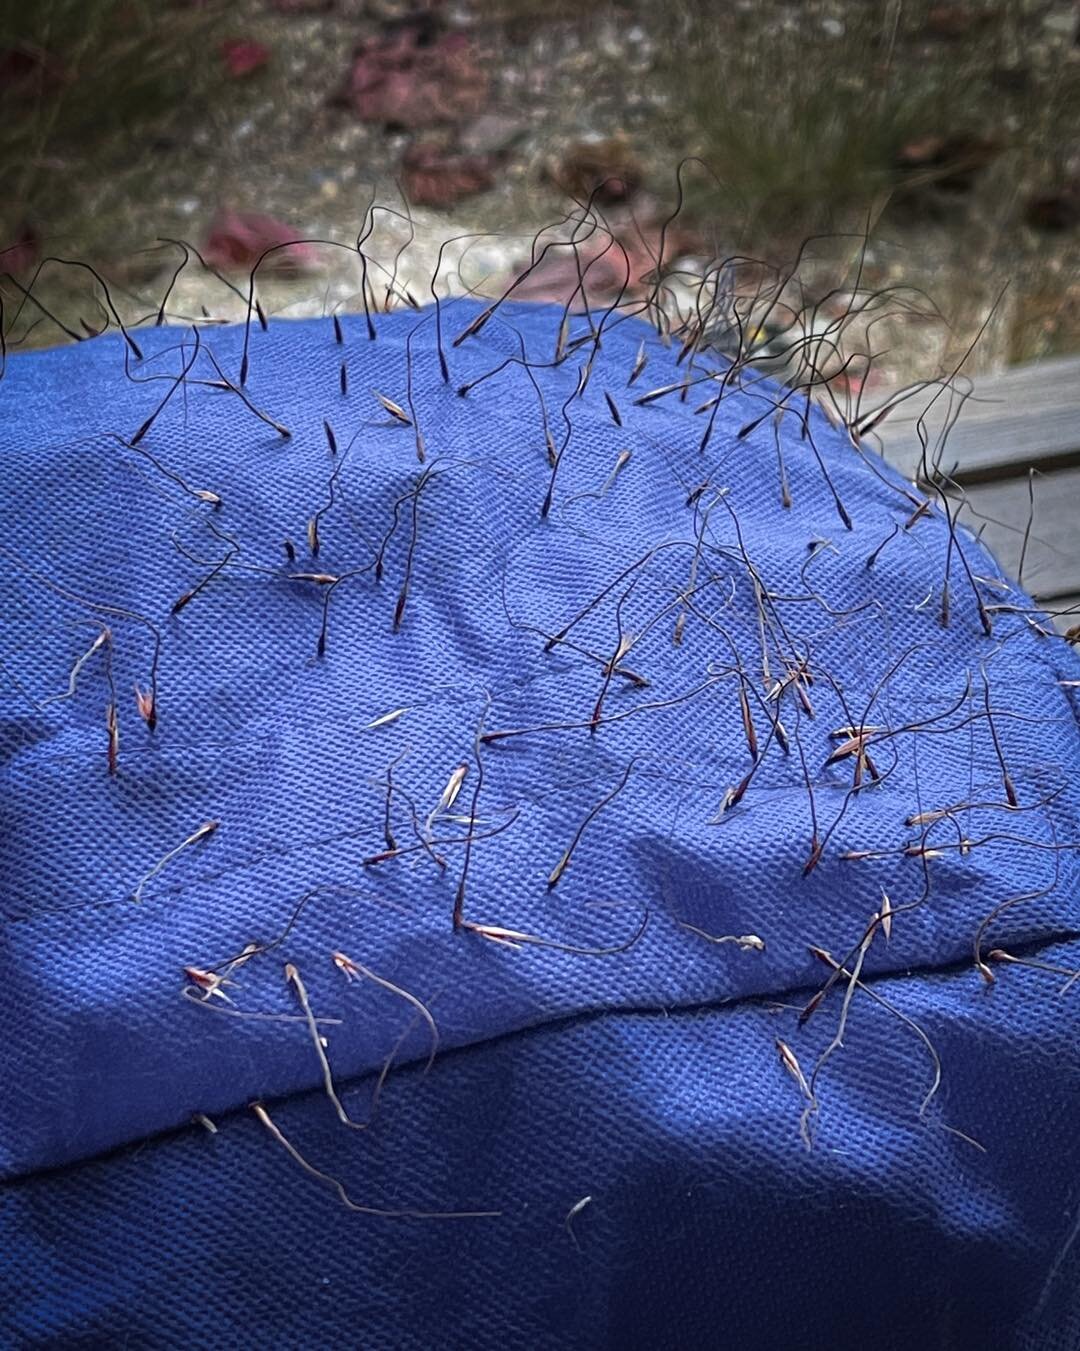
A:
[96,80]
[805,118]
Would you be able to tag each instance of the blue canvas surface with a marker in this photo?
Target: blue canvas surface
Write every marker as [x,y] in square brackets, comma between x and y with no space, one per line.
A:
[626,1059]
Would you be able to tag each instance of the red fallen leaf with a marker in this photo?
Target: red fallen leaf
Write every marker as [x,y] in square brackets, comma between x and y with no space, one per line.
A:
[433,176]
[921,152]
[853,382]
[237,239]
[1054,211]
[413,77]
[950,161]
[28,71]
[23,253]
[557,277]
[243,56]
[607,168]
[954,22]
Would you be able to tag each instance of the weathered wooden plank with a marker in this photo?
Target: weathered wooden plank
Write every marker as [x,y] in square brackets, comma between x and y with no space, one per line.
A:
[1067,614]
[1054,380]
[1052,373]
[1002,510]
[1028,415]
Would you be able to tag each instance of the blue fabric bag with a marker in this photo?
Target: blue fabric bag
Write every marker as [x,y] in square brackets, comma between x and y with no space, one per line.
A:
[490,703]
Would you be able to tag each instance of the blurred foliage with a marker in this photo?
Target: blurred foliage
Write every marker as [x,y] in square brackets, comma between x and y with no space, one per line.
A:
[953,126]
[96,79]
[806,118]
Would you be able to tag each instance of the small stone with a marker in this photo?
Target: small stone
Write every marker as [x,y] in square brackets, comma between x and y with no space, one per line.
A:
[1063,22]
[491,134]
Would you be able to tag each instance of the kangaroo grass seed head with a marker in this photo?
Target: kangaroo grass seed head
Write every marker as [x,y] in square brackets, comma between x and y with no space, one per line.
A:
[639,598]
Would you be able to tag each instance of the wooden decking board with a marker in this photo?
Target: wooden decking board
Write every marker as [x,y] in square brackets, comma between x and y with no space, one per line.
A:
[1027,417]
[1030,415]
[1068,612]
[1002,510]
[1052,381]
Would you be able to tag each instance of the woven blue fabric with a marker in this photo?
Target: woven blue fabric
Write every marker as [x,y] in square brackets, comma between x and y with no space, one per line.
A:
[634,1066]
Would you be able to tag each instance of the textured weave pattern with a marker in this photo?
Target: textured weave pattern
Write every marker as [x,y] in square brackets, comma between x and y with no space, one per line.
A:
[647,1078]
